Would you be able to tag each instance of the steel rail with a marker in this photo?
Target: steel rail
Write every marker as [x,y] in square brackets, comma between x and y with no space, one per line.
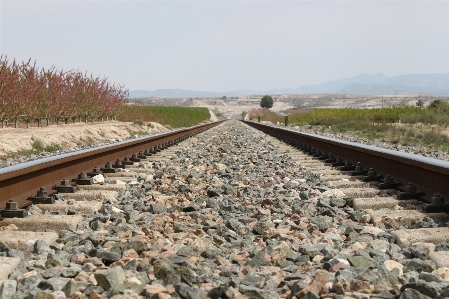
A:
[19,181]
[427,174]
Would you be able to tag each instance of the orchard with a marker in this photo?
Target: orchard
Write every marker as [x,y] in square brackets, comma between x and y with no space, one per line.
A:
[32,94]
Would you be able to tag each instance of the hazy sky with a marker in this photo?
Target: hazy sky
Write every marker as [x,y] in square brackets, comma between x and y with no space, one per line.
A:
[228,45]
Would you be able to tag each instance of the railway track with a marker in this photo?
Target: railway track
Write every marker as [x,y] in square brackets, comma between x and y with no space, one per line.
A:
[228,213]
[428,175]
[20,181]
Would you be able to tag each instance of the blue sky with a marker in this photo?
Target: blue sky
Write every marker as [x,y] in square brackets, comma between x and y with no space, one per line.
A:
[228,45]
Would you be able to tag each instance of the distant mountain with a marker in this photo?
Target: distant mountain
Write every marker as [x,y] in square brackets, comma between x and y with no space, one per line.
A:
[434,84]
[179,93]
[336,85]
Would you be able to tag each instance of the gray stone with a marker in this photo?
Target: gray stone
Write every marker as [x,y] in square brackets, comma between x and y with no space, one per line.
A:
[389,280]
[337,202]
[95,224]
[137,245]
[261,228]
[156,209]
[423,288]
[235,225]
[429,277]
[40,247]
[252,280]
[186,251]
[311,250]
[179,227]
[212,203]
[173,279]
[412,294]
[210,254]
[176,259]
[162,269]
[132,265]
[53,284]
[122,288]
[418,265]
[93,288]
[346,274]
[362,262]
[213,192]
[253,292]
[16,253]
[8,289]
[53,259]
[383,295]
[186,292]
[186,273]
[444,294]
[258,260]
[323,222]
[284,263]
[311,295]
[110,277]
[108,256]
[70,287]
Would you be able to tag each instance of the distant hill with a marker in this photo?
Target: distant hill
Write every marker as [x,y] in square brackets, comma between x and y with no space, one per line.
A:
[179,93]
[336,85]
[433,84]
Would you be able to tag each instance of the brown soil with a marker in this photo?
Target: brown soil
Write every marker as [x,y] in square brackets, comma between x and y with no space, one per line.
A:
[12,141]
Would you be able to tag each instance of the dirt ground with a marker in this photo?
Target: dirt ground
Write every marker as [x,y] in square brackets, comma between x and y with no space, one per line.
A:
[13,141]
[235,112]
[213,117]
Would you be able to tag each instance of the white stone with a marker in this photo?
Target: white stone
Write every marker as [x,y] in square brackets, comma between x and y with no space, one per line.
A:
[219,166]
[116,210]
[59,295]
[334,193]
[133,279]
[365,218]
[98,179]
[118,182]
[317,258]
[356,246]
[390,265]
[134,183]
[343,261]
[372,230]
[442,273]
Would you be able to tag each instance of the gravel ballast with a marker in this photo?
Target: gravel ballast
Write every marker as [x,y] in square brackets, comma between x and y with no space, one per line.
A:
[230,215]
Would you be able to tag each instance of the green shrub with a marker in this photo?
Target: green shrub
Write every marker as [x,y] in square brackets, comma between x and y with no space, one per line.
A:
[37,144]
[439,105]
[174,117]
[52,148]
[266,102]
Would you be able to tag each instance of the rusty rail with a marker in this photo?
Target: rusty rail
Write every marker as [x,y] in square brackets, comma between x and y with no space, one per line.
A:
[22,180]
[427,174]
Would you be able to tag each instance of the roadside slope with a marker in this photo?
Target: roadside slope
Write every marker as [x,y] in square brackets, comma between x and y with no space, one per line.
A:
[19,143]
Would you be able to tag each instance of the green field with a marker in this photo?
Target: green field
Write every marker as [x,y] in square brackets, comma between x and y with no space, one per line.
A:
[173,117]
[404,125]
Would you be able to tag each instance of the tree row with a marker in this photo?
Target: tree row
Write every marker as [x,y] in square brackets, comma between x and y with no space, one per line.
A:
[29,93]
